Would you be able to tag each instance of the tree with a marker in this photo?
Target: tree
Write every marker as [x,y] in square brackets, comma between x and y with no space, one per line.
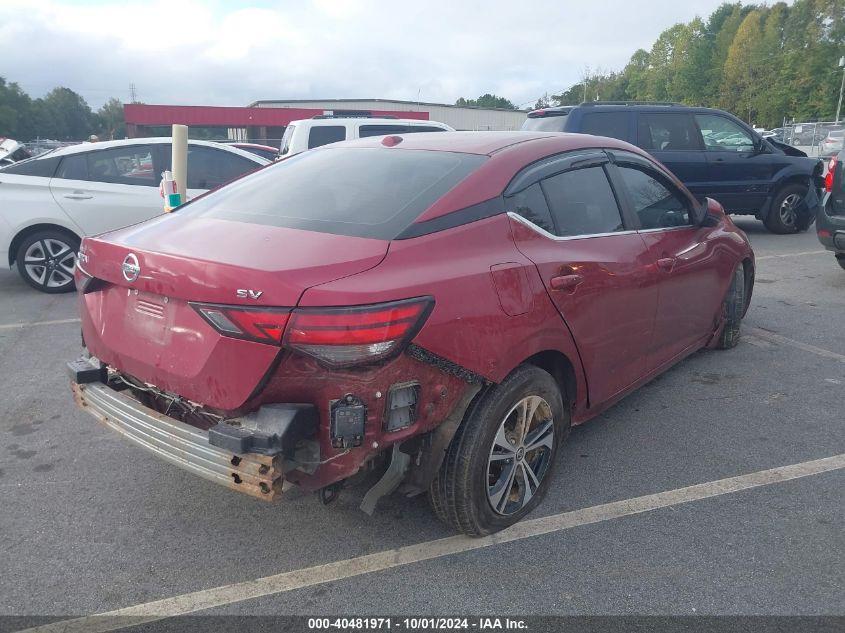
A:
[743,67]
[64,115]
[487,101]
[111,122]
[15,111]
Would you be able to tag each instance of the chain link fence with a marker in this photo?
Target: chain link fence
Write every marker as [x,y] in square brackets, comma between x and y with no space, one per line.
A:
[816,138]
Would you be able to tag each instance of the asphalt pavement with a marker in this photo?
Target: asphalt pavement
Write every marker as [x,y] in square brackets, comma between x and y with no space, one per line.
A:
[91,524]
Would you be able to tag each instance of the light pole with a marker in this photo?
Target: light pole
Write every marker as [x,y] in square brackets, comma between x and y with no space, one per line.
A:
[841,87]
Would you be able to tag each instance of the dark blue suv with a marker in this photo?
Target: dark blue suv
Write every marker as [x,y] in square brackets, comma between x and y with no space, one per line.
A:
[715,155]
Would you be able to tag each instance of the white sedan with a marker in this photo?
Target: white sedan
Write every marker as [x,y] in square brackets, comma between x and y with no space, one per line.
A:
[48,203]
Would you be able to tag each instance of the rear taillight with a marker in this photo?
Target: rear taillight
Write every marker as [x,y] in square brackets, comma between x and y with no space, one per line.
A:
[340,337]
[262,325]
[828,178]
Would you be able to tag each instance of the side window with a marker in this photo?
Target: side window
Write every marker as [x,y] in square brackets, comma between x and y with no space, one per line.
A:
[381,130]
[130,165]
[325,134]
[73,167]
[582,202]
[666,132]
[612,124]
[723,135]
[531,204]
[657,203]
[209,168]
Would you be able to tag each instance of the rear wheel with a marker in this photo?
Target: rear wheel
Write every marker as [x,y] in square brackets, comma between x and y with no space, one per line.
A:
[500,462]
[46,260]
[732,309]
[840,259]
[783,216]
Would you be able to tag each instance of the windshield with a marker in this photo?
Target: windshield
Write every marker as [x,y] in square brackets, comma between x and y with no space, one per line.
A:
[362,192]
[554,123]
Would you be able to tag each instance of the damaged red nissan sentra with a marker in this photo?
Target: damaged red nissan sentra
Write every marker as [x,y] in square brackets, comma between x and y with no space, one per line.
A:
[440,307]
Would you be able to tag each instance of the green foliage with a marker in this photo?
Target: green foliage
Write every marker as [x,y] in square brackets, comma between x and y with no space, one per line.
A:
[61,114]
[487,101]
[764,63]
[112,125]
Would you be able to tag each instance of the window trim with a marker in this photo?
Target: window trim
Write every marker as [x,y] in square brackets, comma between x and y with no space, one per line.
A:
[564,238]
[553,165]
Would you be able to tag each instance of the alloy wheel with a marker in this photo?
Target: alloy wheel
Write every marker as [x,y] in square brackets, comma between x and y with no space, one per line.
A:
[521,455]
[50,262]
[787,209]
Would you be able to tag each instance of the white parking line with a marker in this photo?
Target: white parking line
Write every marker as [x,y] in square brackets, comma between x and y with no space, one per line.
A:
[18,326]
[339,570]
[782,340]
[762,257]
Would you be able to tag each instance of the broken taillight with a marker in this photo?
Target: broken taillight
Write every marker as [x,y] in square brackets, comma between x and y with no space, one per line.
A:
[340,337]
[262,325]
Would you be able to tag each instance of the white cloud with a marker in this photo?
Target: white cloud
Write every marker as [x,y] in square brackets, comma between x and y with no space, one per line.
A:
[226,53]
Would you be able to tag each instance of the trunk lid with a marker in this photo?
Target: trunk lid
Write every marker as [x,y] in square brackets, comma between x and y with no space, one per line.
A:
[146,326]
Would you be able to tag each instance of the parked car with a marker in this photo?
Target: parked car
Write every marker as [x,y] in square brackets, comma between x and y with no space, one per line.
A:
[11,151]
[267,152]
[324,129]
[830,220]
[712,152]
[312,320]
[776,134]
[831,144]
[51,201]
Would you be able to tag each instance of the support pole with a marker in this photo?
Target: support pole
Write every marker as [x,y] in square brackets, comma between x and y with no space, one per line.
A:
[179,160]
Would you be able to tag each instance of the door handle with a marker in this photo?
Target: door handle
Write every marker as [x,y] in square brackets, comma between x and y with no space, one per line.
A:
[666,263]
[566,282]
[78,195]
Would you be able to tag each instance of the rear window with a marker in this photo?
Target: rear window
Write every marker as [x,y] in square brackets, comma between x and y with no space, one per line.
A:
[554,123]
[361,192]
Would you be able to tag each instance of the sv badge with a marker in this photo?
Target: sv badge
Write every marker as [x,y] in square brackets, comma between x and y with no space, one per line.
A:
[244,293]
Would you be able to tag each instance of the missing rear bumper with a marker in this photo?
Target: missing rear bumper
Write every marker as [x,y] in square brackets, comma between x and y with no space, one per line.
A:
[181,444]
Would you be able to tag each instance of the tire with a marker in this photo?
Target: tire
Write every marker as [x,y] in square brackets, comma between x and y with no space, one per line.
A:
[782,218]
[461,494]
[840,259]
[46,260]
[732,309]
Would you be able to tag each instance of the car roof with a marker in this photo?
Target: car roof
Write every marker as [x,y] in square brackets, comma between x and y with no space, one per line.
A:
[489,143]
[508,153]
[602,106]
[368,120]
[90,147]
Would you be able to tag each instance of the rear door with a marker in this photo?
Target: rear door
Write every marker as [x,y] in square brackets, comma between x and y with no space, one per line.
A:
[596,269]
[740,176]
[107,189]
[685,264]
[673,139]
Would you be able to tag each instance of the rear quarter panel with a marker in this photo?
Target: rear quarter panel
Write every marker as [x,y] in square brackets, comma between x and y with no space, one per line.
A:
[469,325]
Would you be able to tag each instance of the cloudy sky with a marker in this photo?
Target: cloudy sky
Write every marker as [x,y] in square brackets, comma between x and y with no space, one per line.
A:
[220,52]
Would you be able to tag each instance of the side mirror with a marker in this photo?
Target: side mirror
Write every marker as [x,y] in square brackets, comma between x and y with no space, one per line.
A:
[699,212]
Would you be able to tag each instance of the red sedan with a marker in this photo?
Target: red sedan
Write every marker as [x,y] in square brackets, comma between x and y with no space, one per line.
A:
[440,308]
